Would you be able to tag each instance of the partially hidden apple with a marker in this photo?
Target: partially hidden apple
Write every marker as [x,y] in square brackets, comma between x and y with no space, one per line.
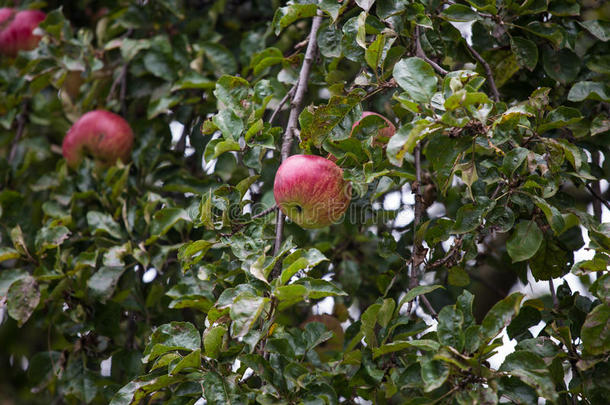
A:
[17,30]
[103,135]
[311,191]
[384,134]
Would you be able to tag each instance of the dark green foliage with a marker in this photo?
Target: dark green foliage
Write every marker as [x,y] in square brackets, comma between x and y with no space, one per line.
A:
[154,280]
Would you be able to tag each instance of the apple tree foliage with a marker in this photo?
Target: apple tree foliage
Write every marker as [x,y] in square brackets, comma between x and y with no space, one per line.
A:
[503,138]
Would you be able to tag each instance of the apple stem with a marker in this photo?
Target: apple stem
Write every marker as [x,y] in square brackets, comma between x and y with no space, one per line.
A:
[295,109]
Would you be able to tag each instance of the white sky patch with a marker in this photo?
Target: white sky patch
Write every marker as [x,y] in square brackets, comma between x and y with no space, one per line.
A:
[392,201]
[149,275]
[325,306]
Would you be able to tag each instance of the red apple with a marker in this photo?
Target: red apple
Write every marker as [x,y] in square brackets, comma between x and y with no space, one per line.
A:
[384,134]
[311,191]
[102,134]
[17,30]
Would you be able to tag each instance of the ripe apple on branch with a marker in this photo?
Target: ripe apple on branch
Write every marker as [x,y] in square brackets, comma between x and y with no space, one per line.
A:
[17,30]
[311,191]
[102,134]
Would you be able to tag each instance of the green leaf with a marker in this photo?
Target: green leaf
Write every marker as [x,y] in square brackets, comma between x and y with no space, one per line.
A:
[50,238]
[524,241]
[164,220]
[212,340]
[193,80]
[553,216]
[191,292]
[103,282]
[374,53]
[191,360]
[417,78]
[526,52]
[416,292]
[595,330]
[215,389]
[102,223]
[458,277]
[284,16]
[333,120]
[406,138]
[513,159]
[399,345]
[7,253]
[598,28]
[233,92]
[229,124]
[449,330]
[532,370]
[434,373]
[8,277]
[245,311]
[332,8]
[192,253]
[317,289]
[136,390]
[560,117]
[551,261]
[299,260]
[386,312]
[500,316]
[589,90]
[460,13]
[469,217]
[23,297]
[172,336]
[221,59]
[562,65]
[368,321]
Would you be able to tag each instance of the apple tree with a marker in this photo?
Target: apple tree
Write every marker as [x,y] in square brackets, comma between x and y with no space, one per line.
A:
[171,276]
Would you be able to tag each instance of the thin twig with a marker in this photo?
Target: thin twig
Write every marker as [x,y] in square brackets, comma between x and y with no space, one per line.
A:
[20,128]
[265,212]
[488,72]
[289,94]
[419,52]
[598,196]
[553,295]
[261,214]
[295,109]
[597,203]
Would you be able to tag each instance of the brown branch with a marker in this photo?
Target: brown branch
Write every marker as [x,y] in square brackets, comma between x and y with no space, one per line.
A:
[419,252]
[289,94]
[598,196]
[553,295]
[295,109]
[488,72]
[596,190]
[419,52]
[20,128]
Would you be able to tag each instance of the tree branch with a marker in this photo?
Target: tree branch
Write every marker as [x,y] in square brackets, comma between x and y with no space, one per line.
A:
[490,76]
[598,196]
[596,190]
[289,94]
[419,253]
[295,109]
[20,128]
[419,52]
